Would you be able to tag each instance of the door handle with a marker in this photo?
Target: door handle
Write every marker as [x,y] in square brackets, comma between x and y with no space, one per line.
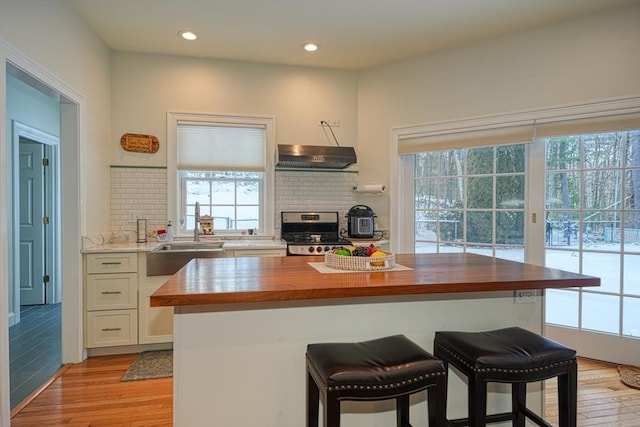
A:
[110,329]
[111,292]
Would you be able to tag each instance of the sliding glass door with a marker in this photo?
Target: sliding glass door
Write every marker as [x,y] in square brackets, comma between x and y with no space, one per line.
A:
[568,197]
[592,214]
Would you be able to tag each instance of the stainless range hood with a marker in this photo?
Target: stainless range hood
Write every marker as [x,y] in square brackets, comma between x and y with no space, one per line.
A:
[314,157]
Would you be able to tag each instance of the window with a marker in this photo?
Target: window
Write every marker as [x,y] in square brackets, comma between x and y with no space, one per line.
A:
[222,163]
[579,212]
[471,200]
[232,199]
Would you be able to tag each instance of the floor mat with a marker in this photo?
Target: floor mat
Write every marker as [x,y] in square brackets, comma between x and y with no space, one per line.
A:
[630,375]
[150,364]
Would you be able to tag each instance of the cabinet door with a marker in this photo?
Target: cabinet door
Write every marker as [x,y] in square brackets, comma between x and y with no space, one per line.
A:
[112,327]
[112,291]
[156,323]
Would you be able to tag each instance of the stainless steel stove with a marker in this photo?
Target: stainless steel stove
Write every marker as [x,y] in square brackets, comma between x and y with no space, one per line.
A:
[311,233]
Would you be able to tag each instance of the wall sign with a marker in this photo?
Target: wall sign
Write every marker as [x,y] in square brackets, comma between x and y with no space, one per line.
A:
[138,143]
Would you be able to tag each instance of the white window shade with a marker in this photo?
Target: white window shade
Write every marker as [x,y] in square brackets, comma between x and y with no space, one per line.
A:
[463,138]
[221,147]
[577,126]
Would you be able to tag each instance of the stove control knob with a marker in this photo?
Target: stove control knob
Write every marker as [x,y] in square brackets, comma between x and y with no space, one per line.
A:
[327,248]
[319,249]
[311,249]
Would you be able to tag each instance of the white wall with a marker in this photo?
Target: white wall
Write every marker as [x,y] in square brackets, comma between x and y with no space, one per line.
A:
[49,38]
[53,35]
[595,57]
[145,87]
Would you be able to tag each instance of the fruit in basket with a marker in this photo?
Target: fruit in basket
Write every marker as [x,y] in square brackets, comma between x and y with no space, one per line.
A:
[360,251]
[343,252]
[378,254]
[371,249]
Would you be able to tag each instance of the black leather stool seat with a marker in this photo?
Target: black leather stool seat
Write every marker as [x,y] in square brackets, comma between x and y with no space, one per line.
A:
[510,355]
[386,368]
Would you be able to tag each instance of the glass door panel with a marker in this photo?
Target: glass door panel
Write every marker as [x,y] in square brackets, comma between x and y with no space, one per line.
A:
[592,206]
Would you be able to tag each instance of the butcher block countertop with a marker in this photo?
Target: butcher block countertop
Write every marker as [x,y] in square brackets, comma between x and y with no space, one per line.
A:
[269,279]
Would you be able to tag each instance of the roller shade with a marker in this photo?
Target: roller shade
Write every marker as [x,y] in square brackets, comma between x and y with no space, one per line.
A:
[580,126]
[502,135]
[221,147]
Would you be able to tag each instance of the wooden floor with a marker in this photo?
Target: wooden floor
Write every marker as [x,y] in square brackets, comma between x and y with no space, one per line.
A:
[90,394]
[35,351]
[602,399]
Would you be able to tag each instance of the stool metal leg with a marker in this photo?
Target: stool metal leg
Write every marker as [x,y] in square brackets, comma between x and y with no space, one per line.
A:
[519,403]
[313,400]
[402,411]
[568,397]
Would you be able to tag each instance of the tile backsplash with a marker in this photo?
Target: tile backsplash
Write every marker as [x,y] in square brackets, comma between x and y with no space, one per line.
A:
[144,191]
[311,190]
[141,191]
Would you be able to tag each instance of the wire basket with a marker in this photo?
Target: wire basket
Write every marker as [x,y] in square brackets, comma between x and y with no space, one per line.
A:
[360,263]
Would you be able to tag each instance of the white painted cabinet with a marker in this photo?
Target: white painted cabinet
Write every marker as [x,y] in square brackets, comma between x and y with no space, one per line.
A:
[255,252]
[111,299]
[155,323]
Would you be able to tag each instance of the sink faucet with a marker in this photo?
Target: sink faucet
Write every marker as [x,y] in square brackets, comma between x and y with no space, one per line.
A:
[196,228]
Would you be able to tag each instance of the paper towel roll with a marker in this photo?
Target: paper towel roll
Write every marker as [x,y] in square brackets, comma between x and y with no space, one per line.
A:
[370,188]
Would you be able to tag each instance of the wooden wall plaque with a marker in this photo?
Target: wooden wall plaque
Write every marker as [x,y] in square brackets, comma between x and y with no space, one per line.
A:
[138,143]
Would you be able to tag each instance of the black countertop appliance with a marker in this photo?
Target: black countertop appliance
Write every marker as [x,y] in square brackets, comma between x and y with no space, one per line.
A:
[360,223]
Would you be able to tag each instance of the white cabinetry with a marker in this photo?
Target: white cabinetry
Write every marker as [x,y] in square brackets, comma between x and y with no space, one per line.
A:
[156,323]
[255,252]
[111,299]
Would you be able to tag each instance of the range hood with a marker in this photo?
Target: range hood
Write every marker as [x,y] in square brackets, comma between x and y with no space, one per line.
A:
[314,157]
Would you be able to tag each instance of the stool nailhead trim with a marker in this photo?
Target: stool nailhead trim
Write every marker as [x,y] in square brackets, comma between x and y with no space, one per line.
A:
[503,370]
[377,387]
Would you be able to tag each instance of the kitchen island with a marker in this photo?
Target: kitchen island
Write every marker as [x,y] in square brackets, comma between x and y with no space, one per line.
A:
[241,326]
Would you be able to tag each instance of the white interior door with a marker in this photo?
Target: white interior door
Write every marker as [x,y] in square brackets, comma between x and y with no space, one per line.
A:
[32,228]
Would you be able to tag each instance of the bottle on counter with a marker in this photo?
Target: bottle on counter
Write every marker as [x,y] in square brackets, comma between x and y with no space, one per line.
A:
[169,232]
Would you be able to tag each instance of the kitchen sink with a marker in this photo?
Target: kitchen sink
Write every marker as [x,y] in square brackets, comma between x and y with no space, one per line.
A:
[168,258]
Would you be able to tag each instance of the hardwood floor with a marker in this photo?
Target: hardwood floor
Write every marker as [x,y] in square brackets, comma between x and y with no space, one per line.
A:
[602,399]
[91,394]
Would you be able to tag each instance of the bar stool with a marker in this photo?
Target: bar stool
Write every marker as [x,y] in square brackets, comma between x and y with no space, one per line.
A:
[515,356]
[393,367]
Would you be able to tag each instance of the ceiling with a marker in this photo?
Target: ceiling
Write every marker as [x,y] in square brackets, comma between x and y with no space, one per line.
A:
[352,34]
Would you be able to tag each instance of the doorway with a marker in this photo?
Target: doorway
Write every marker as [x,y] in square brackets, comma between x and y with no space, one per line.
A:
[35,338]
[71,119]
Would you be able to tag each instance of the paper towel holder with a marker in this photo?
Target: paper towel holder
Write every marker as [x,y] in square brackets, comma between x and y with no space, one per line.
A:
[370,188]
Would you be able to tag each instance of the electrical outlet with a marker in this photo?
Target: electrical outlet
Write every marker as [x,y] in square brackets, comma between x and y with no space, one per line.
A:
[332,123]
[525,297]
[133,216]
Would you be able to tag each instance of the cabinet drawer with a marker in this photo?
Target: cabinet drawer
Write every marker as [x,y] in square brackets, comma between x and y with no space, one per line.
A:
[112,291]
[111,328]
[259,252]
[112,263]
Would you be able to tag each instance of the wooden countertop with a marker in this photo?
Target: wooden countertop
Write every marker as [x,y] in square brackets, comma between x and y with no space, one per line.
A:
[268,279]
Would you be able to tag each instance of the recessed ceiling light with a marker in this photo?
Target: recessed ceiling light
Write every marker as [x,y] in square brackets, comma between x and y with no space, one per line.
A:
[188,35]
[310,47]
